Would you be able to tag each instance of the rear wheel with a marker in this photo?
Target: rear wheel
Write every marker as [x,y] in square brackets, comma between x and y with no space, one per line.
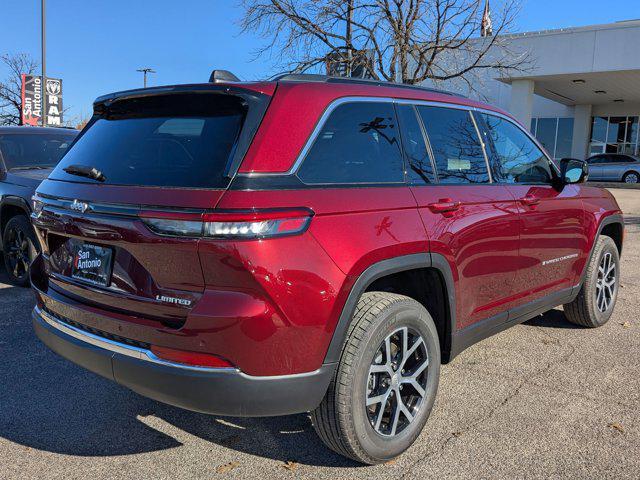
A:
[597,298]
[631,177]
[19,245]
[386,382]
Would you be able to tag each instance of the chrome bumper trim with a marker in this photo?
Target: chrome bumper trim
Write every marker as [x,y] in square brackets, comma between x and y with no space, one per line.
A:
[117,347]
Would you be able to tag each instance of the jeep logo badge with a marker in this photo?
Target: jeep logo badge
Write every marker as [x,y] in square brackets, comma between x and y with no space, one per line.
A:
[79,206]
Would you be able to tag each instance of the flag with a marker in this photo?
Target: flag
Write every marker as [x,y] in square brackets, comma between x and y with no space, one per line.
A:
[486,28]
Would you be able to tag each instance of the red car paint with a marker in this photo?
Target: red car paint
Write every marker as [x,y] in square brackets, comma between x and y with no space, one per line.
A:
[270,307]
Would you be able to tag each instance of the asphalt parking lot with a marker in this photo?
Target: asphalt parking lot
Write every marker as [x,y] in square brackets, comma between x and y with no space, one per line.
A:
[543,399]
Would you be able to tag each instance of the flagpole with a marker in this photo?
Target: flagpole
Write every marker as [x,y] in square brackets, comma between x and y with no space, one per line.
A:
[43,87]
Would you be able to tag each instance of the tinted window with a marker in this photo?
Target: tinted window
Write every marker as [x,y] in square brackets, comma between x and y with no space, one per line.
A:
[565,138]
[173,140]
[419,168]
[597,159]
[617,129]
[515,157]
[599,129]
[546,133]
[456,148]
[22,151]
[357,144]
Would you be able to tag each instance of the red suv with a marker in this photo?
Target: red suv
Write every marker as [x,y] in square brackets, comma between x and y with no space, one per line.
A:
[309,244]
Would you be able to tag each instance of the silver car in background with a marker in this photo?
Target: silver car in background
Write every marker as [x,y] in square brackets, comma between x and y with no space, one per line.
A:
[614,167]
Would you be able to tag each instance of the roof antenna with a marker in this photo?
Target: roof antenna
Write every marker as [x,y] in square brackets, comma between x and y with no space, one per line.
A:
[221,76]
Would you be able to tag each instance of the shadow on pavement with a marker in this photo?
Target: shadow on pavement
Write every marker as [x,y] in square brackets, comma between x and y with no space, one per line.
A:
[551,319]
[47,403]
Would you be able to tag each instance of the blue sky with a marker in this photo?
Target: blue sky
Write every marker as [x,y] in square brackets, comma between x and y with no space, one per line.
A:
[97,45]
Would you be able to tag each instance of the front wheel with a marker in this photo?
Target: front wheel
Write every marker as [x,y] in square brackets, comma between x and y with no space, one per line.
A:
[594,304]
[386,382]
[19,245]
[631,177]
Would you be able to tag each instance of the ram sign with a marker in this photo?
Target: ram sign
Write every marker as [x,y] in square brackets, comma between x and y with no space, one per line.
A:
[32,101]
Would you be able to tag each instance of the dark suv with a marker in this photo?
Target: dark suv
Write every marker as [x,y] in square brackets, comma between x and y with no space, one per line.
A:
[27,156]
[309,244]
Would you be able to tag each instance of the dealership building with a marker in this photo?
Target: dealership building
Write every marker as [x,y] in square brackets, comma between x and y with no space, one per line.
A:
[580,95]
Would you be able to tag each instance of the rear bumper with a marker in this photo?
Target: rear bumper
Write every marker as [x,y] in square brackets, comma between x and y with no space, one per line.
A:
[221,391]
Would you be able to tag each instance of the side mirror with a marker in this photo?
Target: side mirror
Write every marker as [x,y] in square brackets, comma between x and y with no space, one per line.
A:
[573,170]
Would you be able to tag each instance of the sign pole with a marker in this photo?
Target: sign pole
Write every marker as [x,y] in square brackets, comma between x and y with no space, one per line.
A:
[44,65]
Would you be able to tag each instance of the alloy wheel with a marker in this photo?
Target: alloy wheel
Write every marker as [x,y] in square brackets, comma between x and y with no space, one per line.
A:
[605,283]
[397,380]
[631,178]
[17,252]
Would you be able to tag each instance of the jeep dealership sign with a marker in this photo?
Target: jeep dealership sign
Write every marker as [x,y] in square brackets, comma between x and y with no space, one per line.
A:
[32,101]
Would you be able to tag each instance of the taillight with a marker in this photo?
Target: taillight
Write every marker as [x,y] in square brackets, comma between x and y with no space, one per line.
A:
[230,224]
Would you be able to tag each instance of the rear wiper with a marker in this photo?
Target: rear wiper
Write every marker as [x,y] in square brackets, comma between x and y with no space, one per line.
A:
[85,171]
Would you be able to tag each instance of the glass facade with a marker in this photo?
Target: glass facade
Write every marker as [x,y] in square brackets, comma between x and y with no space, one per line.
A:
[614,135]
[555,135]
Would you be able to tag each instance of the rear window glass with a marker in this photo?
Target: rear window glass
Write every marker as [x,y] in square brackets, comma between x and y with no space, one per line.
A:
[455,144]
[162,141]
[25,151]
[358,143]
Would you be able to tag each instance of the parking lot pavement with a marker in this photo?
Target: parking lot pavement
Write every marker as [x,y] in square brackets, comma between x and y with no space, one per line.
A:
[543,399]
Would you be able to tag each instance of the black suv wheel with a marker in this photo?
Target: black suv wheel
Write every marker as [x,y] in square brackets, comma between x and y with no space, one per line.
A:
[19,245]
[385,385]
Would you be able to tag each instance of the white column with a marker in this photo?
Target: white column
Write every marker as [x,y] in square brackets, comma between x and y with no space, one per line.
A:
[581,131]
[521,105]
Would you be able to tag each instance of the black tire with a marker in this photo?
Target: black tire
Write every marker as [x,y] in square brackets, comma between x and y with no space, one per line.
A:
[587,308]
[19,245]
[631,177]
[343,421]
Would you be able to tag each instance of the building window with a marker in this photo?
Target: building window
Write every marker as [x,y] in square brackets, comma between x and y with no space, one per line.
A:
[614,135]
[555,135]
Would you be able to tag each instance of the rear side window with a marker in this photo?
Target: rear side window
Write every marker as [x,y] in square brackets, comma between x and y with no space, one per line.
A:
[358,143]
[162,141]
[419,168]
[456,148]
[24,151]
[515,157]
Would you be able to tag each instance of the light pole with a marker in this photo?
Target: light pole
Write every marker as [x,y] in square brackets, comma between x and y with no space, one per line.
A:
[144,71]
[43,86]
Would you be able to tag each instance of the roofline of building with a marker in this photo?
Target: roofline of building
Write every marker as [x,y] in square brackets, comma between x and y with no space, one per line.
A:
[587,28]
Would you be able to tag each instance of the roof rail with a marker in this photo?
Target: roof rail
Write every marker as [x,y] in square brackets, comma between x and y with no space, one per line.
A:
[310,77]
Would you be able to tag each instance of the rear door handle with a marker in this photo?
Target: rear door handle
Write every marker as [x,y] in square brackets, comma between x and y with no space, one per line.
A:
[530,200]
[444,205]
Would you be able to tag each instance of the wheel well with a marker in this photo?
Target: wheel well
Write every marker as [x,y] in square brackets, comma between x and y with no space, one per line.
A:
[8,212]
[428,287]
[615,231]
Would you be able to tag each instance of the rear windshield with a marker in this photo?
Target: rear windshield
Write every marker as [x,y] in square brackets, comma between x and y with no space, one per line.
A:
[179,140]
[24,151]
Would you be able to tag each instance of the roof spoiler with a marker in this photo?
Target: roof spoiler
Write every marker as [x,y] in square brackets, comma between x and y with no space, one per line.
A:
[222,76]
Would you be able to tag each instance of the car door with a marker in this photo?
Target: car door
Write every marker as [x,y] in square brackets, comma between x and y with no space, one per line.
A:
[552,233]
[597,164]
[616,166]
[610,167]
[470,221]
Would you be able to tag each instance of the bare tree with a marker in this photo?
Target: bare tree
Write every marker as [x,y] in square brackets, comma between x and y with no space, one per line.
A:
[408,41]
[11,87]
